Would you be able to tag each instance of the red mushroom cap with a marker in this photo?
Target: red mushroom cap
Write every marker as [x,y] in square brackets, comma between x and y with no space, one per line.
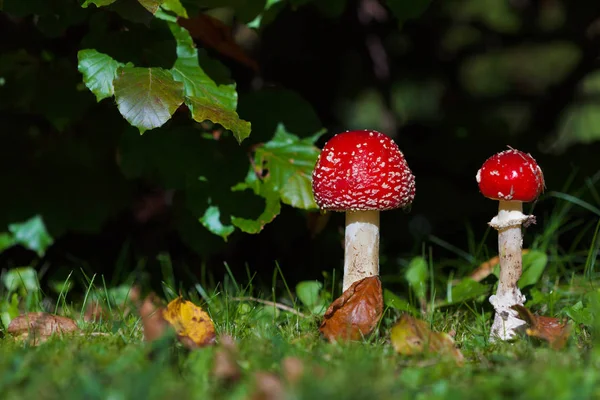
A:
[511,175]
[362,170]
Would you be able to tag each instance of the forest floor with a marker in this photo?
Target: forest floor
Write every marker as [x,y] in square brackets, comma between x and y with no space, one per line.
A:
[263,352]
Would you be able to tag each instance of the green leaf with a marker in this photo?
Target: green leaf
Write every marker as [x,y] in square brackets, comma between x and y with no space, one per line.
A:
[580,314]
[6,240]
[175,7]
[205,99]
[417,275]
[390,299]
[404,10]
[203,109]
[272,204]
[466,289]
[534,263]
[97,3]
[147,97]
[309,292]
[99,71]
[151,5]
[290,161]
[211,220]
[32,234]
[17,278]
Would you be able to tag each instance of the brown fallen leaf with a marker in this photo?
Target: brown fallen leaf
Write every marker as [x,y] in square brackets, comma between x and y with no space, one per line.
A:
[411,336]
[267,386]
[39,326]
[549,329]
[215,34]
[355,313]
[192,324]
[225,366]
[486,268]
[153,322]
[293,369]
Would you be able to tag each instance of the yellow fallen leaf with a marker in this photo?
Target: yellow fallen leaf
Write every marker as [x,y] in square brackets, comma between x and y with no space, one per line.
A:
[39,326]
[192,324]
[411,336]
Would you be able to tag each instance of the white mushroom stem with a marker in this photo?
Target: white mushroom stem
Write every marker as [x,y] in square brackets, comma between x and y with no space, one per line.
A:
[361,258]
[510,244]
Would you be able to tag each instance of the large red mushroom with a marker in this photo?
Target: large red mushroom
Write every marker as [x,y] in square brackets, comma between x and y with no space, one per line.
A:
[511,177]
[362,173]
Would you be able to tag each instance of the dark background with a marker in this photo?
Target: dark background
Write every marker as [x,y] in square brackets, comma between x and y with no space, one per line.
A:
[453,85]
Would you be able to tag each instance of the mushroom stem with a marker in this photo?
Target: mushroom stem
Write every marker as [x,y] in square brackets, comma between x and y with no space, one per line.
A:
[510,244]
[361,258]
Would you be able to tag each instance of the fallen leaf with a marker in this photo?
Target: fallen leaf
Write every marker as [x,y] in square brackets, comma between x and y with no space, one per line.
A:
[549,329]
[153,323]
[39,326]
[215,34]
[267,386]
[355,313]
[486,268]
[225,367]
[411,336]
[192,324]
[293,369]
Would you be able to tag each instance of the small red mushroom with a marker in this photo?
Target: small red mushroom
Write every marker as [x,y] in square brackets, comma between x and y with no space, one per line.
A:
[511,177]
[362,173]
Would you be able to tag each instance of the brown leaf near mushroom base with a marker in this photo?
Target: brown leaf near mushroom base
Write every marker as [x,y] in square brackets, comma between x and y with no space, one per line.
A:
[39,326]
[411,336]
[355,313]
[549,329]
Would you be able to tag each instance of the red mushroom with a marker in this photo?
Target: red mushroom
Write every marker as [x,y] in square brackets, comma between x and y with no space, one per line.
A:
[512,177]
[362,173]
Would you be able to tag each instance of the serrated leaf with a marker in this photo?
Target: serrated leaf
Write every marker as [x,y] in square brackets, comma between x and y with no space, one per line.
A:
[97,3]
[203,109]
[205,99]
[272,209]
[290,161]
[99,71]
[211,220]
[151,5]
[147,97]
[176,7]
[32,234]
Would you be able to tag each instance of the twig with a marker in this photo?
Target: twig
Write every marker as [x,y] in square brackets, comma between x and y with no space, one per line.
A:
[273,304]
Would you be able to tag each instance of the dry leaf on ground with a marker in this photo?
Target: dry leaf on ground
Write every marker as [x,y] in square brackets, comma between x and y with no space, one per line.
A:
[225,367]
[355,313]
[411,336]
[267,386]
[192,324]
[39,326]
[486,268]
[549,329]
[153,323]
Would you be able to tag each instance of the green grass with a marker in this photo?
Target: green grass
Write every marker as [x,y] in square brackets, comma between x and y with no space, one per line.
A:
[120,365]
